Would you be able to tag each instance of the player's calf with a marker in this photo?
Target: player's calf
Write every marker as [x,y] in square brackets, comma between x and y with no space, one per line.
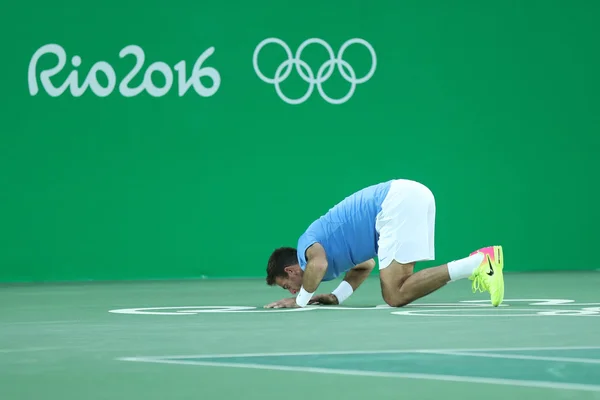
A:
[393,278]
[400,286]
[484,267]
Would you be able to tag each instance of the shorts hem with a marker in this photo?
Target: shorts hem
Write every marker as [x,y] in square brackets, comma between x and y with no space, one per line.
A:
[420,259]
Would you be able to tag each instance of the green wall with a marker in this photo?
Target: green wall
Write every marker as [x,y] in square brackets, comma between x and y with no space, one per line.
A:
[494,105]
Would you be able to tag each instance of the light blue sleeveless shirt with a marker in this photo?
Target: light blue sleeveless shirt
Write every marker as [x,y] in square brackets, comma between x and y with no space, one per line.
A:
[347,231]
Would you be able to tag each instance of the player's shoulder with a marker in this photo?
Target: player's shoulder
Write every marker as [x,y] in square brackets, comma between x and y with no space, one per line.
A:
[315,250]
[309,247]
[307,239]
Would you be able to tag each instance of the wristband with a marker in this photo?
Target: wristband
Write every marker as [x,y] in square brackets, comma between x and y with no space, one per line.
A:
[303,297]
[343,291]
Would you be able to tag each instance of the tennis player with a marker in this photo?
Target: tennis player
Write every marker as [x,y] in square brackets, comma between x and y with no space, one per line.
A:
[393,221]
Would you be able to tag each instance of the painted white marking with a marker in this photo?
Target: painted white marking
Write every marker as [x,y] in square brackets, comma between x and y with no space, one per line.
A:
[580,313]
[537,302]
[351,352]
[29,349]
[414,309]
[516,356]
[192,310]
[516,312]
[68,321]
[531,302]
[436,377]
[484,304]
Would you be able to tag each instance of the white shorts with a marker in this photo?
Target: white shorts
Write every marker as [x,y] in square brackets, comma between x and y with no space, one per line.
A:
[406,224]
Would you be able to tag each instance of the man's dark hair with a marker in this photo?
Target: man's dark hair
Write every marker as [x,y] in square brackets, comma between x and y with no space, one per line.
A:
[280,258]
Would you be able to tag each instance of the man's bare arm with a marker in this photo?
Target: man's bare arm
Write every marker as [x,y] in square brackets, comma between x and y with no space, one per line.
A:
[352,280]
[357,275]
[316,266]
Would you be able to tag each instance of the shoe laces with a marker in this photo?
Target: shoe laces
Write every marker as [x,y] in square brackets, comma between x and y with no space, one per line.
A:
[480,284]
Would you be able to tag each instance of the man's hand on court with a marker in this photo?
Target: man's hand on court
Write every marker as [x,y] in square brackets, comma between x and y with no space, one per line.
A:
[325,299]
[284,303]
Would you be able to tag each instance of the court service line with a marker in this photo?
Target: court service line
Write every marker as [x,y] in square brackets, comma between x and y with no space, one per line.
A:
[351,352]
[64,321]
[515,356]
[30,349]
[436,377]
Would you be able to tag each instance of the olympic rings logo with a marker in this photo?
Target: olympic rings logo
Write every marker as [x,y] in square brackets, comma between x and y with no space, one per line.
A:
[308,75]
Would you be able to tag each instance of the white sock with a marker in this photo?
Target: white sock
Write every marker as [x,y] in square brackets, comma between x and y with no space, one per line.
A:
[463,268]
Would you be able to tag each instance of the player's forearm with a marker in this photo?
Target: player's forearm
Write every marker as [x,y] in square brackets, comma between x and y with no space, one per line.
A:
[355,277]
[312,277]
[313,273]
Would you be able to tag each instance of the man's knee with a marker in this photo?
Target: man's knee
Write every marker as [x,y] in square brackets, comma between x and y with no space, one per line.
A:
[392,280]
[393,295]
[396,300]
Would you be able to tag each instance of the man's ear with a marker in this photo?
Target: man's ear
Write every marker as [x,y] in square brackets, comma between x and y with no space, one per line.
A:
[291,270]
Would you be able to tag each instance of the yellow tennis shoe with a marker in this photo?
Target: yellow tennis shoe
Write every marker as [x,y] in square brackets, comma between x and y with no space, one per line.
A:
[488,277]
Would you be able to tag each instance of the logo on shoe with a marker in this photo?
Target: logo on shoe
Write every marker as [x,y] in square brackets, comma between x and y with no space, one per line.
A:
[491,271]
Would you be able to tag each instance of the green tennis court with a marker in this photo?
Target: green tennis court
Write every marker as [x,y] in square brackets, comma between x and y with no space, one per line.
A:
[212,340]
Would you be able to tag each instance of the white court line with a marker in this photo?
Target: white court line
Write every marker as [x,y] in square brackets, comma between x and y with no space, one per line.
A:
[515,356]
[317,353]
[66,321]
[451,378]
[29,349]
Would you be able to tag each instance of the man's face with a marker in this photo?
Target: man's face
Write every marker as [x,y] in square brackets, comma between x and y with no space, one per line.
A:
[293,280]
